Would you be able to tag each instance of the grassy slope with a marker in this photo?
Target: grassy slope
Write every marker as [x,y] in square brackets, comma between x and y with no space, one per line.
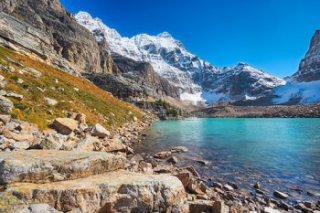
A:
[98,105]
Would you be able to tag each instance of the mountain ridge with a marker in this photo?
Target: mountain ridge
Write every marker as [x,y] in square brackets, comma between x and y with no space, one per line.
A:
[170,59]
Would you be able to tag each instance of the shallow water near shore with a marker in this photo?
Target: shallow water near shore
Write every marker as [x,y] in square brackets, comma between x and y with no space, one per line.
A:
[282,154]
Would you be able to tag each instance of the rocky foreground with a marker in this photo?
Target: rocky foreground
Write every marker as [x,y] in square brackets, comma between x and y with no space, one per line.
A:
[74,167]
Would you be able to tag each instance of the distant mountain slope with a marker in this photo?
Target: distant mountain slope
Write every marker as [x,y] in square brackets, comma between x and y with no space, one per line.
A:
[197,79]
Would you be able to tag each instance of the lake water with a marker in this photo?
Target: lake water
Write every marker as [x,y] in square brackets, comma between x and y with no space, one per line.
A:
[282,154]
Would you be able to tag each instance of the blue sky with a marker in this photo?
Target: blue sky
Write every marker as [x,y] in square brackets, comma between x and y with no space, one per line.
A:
[272,35]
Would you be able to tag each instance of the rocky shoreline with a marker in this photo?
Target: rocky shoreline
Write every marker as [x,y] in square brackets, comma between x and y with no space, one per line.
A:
[296,111]
[202,191]
[76,162]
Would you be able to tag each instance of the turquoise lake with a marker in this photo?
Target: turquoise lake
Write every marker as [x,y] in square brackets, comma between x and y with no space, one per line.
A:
[282,154]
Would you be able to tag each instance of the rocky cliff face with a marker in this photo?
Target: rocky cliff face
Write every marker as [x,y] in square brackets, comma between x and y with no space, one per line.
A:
[304,86]
[309,68]
[134,81]
[45,28]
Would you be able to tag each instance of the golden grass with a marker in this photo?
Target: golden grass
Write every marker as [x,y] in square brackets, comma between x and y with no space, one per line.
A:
[98,105]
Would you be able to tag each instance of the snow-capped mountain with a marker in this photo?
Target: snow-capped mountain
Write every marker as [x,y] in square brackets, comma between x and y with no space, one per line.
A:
[197,79]
[241,82]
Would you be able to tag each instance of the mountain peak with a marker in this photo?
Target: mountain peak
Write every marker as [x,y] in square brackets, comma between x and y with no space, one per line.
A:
[196,79]
[242,65]
[83,14]
[165,35]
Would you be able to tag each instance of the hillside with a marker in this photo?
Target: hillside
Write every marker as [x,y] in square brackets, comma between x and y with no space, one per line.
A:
[49,93]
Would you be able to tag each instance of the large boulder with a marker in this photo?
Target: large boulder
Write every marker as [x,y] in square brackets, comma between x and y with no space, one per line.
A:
[65,126]
[39,166]
[118,191]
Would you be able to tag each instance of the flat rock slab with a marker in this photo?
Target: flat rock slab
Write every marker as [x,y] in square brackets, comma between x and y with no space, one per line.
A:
[42,166]
[118,191]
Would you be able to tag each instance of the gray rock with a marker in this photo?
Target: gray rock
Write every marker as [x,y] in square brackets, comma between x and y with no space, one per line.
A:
[81,118]
[173,160]
[37,208]
[118,191]
[39,166]
[200,206]
[87,144]
[51,101]
[21,145]
[3,84]
[20,81]
[179,149]
[99,131]
[14,95]
[313,194]
[270,210]
[163,154]
[280,195]
[115,145]
[5,118]
[6,105]
[257,185]
[217,184]
[52,142]
[28,70]
[2,78]
[3,92]
[228,187]
[303,208]
[220,207]
[65,126]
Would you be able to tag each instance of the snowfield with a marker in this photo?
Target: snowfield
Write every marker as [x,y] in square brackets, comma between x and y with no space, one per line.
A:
[304,92]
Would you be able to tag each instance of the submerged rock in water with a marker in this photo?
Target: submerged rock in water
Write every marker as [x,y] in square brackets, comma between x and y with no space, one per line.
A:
[179,149]
[280,195]
[313,194]
[228,187]
[173,160]
[163,154]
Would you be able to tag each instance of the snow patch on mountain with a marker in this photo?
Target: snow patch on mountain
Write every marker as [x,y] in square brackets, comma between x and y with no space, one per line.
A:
[298,92]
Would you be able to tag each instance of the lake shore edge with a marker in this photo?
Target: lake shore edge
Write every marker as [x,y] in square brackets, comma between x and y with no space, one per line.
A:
[239,199]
